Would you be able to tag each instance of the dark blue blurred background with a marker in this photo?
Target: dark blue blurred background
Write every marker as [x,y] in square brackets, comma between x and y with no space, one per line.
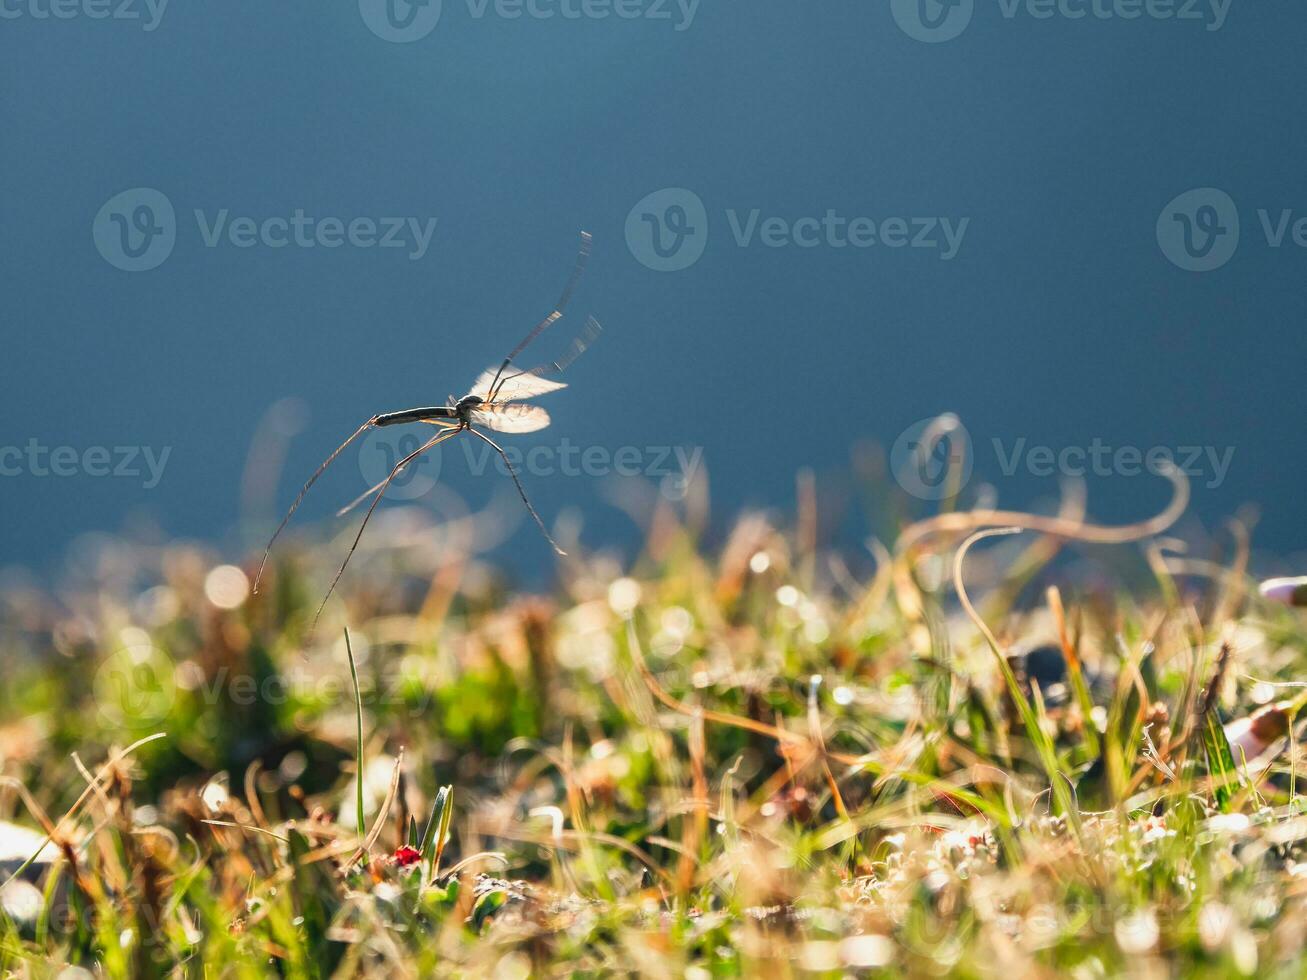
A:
[1063,318]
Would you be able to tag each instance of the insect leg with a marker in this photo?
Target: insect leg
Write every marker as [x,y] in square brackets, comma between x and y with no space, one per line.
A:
[299,499]
[368,493]
[521,492]
[434,440]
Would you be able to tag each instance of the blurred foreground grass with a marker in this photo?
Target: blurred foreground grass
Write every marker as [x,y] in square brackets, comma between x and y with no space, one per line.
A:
[737,761]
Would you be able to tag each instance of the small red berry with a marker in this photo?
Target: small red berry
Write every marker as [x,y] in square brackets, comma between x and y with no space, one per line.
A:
[407,856]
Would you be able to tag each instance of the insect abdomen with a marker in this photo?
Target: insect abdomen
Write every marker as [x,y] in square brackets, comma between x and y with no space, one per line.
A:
[415,415]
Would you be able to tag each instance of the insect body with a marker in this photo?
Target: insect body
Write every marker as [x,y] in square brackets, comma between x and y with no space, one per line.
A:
[497,401]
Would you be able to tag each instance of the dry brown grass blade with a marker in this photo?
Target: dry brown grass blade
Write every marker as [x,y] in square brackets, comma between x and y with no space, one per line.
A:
[1042,550]
[1232,588]
[1213,689]
[805,534]
[249,828]
[252,793]
[578,840]
[721,717]
[33,807]
[1058,611]
[379,823]
[72,811]
[695,826]
[819,741]
[90,781]
[959,586]
[963,522]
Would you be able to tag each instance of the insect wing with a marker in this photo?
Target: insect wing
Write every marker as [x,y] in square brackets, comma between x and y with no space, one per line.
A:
[514,417]
[582,256]
[514,385]
[580,342]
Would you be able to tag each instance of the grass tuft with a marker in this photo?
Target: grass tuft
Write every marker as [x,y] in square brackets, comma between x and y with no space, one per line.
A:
[760,758]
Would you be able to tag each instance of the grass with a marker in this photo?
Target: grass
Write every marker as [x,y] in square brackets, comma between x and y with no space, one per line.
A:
[728,761]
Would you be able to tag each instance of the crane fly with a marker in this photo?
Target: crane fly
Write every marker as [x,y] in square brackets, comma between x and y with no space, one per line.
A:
[496,401]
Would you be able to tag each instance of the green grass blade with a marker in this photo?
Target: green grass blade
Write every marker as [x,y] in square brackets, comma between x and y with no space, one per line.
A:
[437,831]
[358,715]
[1220,761]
